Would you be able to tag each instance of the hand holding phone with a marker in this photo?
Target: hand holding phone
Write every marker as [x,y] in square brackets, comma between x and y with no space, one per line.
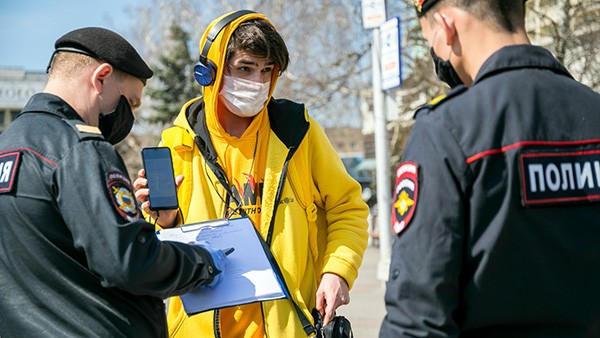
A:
[161,178]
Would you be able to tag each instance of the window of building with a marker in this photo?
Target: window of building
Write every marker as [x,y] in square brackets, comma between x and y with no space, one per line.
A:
[1,118]
[13,114]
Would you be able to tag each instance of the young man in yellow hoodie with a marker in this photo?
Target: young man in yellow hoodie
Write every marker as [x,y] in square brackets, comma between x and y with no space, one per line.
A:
[243,152]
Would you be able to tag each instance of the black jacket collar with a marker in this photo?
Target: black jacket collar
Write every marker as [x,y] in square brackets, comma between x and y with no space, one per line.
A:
[50,104]
[520,56]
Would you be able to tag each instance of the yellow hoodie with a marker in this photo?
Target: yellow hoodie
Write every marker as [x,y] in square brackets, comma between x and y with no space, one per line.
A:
[303,202]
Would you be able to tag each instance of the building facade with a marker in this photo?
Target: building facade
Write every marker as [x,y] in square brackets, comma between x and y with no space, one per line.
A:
[16,87]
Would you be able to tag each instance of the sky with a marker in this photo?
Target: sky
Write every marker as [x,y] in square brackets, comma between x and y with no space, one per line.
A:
[29,28]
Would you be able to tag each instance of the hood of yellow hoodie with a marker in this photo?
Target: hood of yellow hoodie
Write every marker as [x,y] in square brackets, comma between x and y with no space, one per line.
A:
[217,54]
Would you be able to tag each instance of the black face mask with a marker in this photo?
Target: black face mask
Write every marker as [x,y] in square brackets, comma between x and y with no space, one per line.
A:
[445,71]
[115,126]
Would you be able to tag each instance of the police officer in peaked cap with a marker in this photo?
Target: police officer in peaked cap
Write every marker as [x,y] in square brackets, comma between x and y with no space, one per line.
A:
[497,197]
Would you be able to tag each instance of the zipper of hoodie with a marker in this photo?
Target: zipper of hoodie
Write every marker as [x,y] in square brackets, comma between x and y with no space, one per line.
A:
[264,323]
[306,325]
[278,193]
[216,324]
[300,200]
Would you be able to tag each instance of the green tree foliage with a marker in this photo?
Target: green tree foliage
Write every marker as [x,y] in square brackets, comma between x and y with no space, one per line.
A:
[174,84]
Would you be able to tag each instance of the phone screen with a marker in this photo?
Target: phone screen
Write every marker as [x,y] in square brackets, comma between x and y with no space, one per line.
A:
[160,176]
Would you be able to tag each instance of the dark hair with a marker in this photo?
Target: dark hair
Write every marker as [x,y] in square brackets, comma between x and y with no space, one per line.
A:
[508,15]
[259,38]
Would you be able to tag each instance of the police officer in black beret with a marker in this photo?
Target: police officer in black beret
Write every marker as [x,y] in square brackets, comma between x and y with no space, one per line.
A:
[76,258]
[496,209]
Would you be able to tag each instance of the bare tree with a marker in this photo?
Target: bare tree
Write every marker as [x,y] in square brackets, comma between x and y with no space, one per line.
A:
[571,30]
[330,68]
[568,28]
[329,49]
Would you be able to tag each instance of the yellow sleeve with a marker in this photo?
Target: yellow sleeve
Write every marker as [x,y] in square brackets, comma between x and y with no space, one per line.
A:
[339,197]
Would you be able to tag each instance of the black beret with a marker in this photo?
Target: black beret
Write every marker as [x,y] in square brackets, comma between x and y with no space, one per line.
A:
[105,45]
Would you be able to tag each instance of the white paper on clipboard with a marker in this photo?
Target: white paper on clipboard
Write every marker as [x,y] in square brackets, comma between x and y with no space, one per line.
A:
[248,277]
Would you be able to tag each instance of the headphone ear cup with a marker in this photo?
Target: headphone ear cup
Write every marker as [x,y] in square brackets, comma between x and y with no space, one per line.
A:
[204,72]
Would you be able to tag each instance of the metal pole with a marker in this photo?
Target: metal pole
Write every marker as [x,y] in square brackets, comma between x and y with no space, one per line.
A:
[382,157]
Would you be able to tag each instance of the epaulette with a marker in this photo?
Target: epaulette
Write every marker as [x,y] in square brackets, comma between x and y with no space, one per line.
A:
[85,131]
[440,99]
[436,100]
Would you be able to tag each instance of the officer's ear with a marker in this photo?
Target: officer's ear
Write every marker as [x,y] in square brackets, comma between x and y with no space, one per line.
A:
[100,75]
[446,22]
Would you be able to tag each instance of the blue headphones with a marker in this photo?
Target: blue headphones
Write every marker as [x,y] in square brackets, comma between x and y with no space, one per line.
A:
[205,70]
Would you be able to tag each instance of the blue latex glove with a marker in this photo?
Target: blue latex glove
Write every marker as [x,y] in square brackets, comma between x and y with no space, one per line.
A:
[219,260]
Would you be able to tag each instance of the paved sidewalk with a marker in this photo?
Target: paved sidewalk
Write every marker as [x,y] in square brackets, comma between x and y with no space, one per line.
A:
[367,308]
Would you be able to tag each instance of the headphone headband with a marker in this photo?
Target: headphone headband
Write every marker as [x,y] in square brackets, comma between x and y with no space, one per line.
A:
[205,70]
[218,27]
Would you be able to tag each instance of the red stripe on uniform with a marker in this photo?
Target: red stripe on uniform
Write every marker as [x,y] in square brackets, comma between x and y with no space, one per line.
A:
[527,143]
[31,151]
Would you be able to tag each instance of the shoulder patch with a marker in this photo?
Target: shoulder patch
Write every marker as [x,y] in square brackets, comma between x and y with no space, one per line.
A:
[405,196]
[120,192]
[9,163]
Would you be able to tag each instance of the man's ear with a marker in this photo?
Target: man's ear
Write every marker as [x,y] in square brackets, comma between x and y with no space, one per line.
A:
[99,75]
[446,22]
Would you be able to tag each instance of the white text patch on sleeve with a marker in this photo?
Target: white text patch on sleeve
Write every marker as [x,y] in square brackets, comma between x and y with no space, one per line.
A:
[8,170]
[560,177]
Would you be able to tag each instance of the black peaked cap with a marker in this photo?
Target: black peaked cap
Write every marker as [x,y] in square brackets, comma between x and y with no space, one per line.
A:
[422,6]
[106,45]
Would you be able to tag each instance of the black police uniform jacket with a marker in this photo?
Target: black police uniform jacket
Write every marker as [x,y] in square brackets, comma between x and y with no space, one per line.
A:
[76,260]
[497,208]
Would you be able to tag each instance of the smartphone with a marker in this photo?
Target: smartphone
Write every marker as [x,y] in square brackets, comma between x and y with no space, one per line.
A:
[161,178]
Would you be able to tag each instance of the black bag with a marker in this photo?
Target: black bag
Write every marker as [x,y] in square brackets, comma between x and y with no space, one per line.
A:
[338,327]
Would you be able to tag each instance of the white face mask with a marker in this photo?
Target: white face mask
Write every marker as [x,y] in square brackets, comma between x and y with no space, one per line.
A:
[242,97]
